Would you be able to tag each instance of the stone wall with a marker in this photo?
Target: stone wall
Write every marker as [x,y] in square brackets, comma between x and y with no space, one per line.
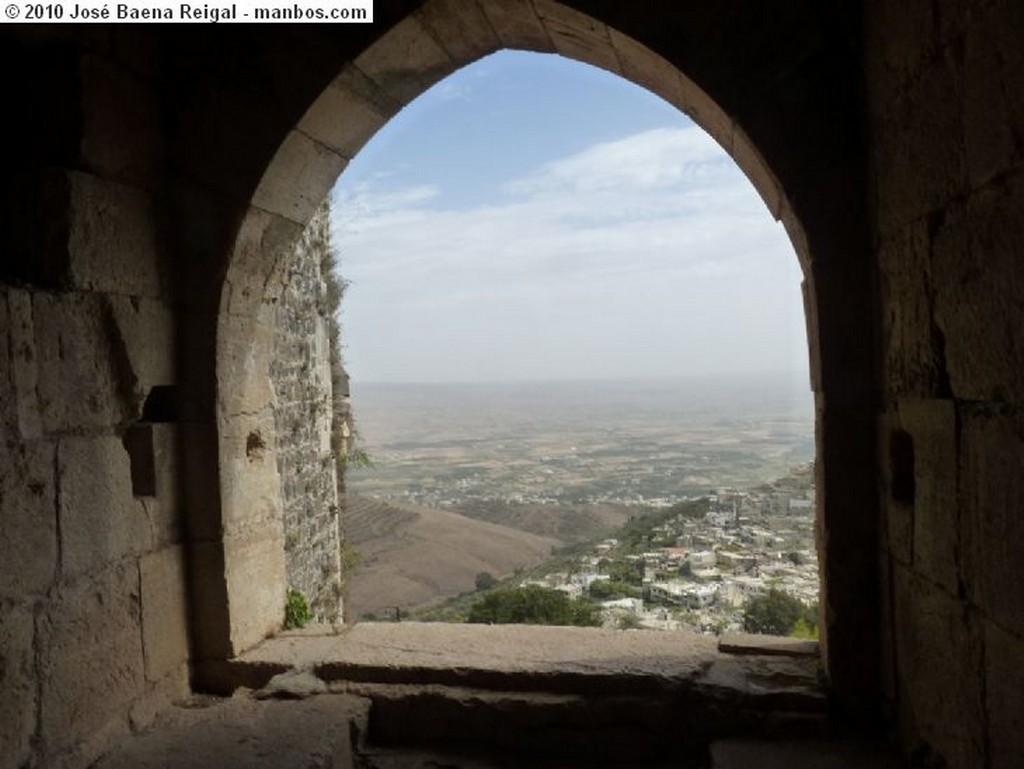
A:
[947,126]
[304,419]
[93,588]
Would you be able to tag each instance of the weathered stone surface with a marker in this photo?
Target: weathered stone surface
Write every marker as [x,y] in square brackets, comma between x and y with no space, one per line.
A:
[298,178]
[85,378]
[460,28]
[164,614]
[406,61]
[241,732]
[256,605]
[292,685]
[23,374]
[146,331]
[100,521]
[939,647]
[980,308]
[992,481]
[301,376]
[517,25]
[578,36]
[936,546]
[919,155]
[18,684]
[250,484]
[28,519]
[112,245]
[245,352]
[91,666]
[914,359]
[1004,682]
[264,244]
[341,119]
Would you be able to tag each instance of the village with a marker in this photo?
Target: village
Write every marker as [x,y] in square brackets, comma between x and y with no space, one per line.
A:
[700,562]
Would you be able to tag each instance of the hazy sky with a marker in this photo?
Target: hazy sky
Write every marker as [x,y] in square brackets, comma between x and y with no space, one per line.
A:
[531,217]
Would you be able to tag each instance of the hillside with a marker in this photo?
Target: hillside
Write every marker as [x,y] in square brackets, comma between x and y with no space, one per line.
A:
[411,556]
[567,523]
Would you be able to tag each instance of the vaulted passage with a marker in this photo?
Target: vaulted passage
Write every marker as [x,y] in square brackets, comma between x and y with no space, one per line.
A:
[157,180]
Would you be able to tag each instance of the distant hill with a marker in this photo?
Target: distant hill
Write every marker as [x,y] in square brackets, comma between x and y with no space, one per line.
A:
[567,523]
[412,556]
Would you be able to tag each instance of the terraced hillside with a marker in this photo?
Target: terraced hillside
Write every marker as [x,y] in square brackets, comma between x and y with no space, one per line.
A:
[411,557]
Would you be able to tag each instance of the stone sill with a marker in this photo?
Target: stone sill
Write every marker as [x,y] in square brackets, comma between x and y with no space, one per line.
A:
[760,672]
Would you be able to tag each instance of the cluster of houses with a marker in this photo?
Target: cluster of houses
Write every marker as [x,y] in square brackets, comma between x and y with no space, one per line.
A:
[704,570]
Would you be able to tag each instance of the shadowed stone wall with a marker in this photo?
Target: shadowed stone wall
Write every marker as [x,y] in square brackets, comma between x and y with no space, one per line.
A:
[301,377]
[946,108]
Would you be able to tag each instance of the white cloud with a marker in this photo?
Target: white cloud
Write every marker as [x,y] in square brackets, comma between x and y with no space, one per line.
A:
[651,224]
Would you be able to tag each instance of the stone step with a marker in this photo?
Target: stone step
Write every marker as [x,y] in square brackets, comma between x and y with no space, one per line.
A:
[245,733]
[602,729]
[802,754]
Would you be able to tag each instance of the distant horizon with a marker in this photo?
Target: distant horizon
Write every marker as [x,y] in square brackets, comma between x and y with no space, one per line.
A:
[654,378]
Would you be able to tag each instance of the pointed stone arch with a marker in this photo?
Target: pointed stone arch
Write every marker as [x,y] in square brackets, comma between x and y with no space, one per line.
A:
[777,101]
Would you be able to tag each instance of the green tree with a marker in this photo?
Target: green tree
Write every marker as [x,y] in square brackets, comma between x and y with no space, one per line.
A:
[484,580]
[608,590]
[777,613]
[533,605]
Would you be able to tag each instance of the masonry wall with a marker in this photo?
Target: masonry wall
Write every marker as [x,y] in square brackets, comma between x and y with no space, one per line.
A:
[93,619]
[304,418]
[947,126]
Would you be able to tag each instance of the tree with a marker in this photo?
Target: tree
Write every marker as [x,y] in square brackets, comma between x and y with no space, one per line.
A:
[777,613]
[533,605]
[484,581]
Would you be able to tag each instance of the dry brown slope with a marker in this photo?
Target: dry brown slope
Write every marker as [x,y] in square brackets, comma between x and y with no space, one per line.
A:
[429,554]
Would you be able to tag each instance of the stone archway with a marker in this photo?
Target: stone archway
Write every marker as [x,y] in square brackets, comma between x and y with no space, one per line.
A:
[789,132]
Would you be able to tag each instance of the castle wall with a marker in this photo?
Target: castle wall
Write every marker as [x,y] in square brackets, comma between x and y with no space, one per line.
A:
[300,373]
[946,115]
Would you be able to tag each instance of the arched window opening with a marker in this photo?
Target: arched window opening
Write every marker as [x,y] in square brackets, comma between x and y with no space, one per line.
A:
[580,370]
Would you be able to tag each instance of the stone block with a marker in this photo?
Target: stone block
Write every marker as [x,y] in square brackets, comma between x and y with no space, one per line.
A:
[406,61]
[147,332]
[164,613]
[649,70]
[264,246]
[898,528]
[201,503]
[992,497]
[939,649]
[90,657]
[28,519]
[341,119]
[979,294]
[164,512]
[299,177]
[100,520]
[249,481]
[84,376]
[933,426]
[578,36]
[913,348]
[517,25]
[919,161]
[256,605]
[245,352]
[18,684]
[121,124]
[23,374]
[112,246]
[1004,682]
[460,28]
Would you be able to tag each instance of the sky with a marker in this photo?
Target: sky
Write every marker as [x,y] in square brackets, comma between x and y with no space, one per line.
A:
[531,217]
